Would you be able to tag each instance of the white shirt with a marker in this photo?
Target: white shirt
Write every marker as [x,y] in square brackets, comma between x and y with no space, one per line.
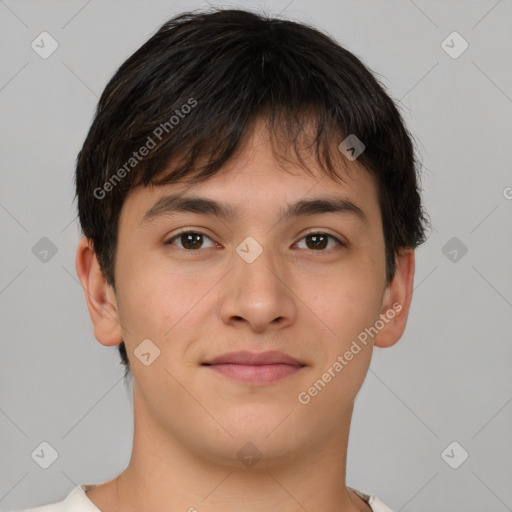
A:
[77,501]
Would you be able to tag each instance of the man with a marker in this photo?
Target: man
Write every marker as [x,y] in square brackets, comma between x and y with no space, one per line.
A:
[250,208]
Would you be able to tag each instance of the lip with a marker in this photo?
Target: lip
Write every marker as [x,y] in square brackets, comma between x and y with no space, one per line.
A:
[255,368]
[245,357]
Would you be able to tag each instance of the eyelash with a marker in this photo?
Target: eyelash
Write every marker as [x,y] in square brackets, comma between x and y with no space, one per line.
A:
[195,232]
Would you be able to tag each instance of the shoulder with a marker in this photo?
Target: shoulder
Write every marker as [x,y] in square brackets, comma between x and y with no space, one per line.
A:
[375,503]
[75,501]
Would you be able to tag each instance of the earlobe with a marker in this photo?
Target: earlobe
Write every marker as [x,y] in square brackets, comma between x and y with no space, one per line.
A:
[99,295]
[396,301]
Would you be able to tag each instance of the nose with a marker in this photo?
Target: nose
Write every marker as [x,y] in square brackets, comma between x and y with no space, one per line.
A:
[258,292]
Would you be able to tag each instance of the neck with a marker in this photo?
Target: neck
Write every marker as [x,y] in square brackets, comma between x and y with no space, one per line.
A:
[164,474]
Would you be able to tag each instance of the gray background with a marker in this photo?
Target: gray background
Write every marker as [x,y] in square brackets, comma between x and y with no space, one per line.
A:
[448,379]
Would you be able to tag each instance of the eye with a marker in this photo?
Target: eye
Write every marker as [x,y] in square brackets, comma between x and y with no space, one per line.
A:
[190,240]
[319,241]
[194,240]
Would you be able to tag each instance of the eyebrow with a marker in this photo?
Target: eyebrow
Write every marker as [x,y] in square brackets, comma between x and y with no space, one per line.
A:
[176,203]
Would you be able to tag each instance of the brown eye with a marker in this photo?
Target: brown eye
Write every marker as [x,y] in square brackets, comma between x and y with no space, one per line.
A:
[189,240]
[319,241]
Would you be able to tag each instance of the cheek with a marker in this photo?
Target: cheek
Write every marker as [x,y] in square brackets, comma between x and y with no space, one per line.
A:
[348,305]
[346,299]
[159,301]
[144,299]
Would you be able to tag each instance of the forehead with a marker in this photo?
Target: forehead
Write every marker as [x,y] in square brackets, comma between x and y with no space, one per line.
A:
[263,177]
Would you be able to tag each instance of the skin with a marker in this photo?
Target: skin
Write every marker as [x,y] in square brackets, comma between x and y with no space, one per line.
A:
[195,305]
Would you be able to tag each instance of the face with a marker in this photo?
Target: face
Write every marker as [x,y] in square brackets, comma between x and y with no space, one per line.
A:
[200,285]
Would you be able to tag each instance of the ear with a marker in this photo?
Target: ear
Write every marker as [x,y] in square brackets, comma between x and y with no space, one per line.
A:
[99,295]
[396,301]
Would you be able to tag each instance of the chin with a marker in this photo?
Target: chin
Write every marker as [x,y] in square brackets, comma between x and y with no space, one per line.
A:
[255,452]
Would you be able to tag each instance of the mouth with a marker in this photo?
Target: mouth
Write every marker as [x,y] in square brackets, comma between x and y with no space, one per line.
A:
[255,368]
